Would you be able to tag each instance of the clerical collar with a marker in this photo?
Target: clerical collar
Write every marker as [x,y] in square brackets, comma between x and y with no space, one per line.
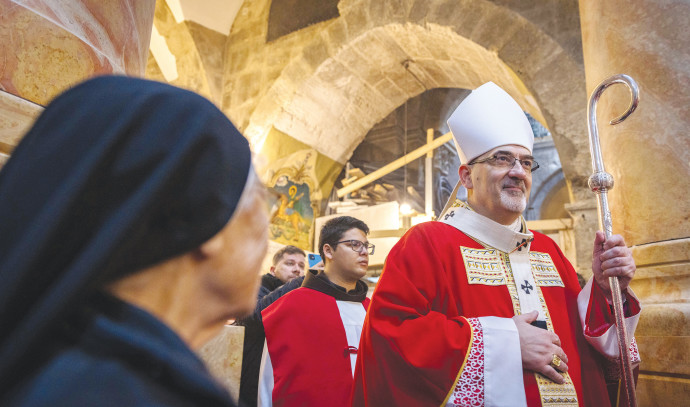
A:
[504,238]
[321,283]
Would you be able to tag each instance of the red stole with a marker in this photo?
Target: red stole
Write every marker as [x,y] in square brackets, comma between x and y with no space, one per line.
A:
[309,351]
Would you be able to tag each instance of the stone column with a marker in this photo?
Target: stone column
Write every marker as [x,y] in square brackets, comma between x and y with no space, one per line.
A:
[223,357]
[48,46]
[649,158]
[585,224]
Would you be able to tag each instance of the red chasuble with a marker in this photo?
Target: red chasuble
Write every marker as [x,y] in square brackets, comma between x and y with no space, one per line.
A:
[308,349]
[421,335]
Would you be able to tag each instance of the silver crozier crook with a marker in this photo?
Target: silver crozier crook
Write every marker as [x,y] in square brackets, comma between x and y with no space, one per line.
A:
[600,182]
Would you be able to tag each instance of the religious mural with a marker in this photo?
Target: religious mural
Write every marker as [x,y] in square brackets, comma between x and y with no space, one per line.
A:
[291,214]
[292,181]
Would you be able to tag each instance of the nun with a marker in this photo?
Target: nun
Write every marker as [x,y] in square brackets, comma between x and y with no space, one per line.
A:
[132,227]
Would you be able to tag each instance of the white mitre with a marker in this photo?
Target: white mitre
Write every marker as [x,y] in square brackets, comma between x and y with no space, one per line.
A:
[486,119]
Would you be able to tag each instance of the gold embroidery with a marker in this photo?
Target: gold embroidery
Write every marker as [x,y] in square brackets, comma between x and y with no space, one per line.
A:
[544,271]
[552,394]
[457,204]
[483,266]
[512,287]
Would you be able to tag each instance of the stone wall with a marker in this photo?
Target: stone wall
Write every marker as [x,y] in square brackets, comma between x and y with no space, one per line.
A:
[197,50]
[328,84]
[649,158]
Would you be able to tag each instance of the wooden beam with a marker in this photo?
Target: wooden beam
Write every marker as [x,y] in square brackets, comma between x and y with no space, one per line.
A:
[388,168]
[374,234]
[550,224]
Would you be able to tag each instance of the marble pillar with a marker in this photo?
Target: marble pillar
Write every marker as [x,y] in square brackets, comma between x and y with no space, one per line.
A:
[16,117]
[48,46]
[649,158]
[585,224]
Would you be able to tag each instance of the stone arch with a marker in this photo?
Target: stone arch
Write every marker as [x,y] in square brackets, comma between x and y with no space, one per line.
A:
[194,49]
[348,73]
[540,197]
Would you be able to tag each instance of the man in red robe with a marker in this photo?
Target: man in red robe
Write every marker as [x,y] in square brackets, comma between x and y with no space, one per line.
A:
[475,309]
[312,333]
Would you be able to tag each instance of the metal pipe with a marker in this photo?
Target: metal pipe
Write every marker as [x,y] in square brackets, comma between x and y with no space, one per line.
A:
[428,177]
[600,182]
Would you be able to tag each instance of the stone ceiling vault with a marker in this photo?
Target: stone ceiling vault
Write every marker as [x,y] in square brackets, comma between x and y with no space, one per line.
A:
[348,93]
[328,84]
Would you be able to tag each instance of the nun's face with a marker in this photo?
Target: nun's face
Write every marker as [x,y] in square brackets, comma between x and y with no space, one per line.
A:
[245,245]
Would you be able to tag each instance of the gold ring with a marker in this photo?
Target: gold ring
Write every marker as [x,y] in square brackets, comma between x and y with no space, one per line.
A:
[556,361]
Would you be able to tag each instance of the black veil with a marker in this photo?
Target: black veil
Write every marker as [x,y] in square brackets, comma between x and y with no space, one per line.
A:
[116,175]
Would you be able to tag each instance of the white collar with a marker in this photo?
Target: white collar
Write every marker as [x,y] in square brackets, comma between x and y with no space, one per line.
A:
[485,230]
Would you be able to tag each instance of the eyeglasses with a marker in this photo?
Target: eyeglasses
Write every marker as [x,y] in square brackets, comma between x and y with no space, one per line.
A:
[506,160]
[357,246]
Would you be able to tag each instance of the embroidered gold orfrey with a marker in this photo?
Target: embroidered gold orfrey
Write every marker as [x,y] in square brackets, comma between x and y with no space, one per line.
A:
[483,266]
[552,394]
[488,267]
[544,271]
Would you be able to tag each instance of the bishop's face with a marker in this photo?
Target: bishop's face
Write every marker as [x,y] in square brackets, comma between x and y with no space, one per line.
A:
[499,193]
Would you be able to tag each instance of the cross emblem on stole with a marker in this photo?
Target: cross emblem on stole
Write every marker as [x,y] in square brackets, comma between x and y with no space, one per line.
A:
[519,245]
[526,287]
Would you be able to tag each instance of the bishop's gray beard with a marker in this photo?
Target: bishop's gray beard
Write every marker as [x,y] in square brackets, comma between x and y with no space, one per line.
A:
[514,202]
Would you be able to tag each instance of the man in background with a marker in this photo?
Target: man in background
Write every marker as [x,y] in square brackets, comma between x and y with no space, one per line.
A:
[288,264]
[312,333]
[288,267]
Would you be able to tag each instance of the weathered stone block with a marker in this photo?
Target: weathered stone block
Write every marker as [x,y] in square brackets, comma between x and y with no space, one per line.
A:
[667,354]
[387,12]
[419,10]
[336,35]
[238,59]
[409,43]
[389,90]
[315,52]
[450,12]
[223,357]
[662,391]
[662,283]
[664,320]
[357,21]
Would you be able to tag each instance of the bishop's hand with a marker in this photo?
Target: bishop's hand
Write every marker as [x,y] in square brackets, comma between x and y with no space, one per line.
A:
[538,347]
[612,258]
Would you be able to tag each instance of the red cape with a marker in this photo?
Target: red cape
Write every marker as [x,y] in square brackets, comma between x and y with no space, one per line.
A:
[309,351]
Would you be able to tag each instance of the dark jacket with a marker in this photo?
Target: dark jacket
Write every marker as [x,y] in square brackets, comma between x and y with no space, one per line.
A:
[269,282]
[119,355]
